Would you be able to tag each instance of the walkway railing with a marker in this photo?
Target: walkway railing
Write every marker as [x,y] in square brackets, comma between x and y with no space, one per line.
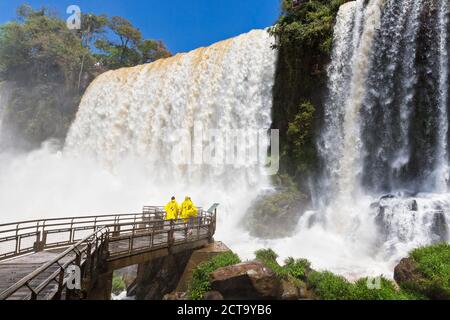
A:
[135,238]
[84,255]
[91,241]
[23,237]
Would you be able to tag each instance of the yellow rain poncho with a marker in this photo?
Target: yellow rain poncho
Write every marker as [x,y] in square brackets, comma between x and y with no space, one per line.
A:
[188,209]
[172,209]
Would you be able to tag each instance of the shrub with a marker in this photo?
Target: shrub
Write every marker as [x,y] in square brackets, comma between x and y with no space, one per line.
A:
[269,258]
[328,286]
[433,262]
[200,283]
[297,268]
[118,285]
[387,291]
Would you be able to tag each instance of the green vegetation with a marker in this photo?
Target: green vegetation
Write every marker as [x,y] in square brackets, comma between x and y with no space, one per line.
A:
[310,24]
[269,258]
[433,264]
[304,41]
[275,214]
[297,268]
[433,261]
[200,279]
[293,268]
[328,286]
[300,136]
[50,66]
[118,285]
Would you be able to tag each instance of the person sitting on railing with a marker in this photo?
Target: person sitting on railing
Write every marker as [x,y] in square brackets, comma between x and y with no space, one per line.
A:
[189,213]
[172,210]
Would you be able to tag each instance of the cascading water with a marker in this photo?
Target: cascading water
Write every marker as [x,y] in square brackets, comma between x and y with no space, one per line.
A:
[132,128]
[149,108]
[386,127]
[144,125]
[443,158]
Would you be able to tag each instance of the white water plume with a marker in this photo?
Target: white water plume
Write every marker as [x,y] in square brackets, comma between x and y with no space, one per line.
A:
[119,151]
[442,170]
[367,139]
[226,86]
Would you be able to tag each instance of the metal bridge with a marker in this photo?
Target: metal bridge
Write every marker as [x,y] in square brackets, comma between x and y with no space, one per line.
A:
[37,257]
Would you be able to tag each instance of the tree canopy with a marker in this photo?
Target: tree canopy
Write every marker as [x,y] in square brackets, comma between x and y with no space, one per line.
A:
[51,66]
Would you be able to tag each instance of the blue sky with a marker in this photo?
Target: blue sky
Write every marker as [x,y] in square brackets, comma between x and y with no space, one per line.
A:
[182,25]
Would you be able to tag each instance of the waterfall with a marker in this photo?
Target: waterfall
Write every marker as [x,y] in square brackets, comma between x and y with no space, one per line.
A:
[348,73]
[385,136]
[136,137]
[443,159]
[144,111]
[338,86]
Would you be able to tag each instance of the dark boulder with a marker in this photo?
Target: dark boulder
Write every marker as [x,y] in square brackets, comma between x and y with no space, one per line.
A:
[289,291]
[440,227]
[406,271]
[413,206]
[275,214]
[213,295]
[246,281]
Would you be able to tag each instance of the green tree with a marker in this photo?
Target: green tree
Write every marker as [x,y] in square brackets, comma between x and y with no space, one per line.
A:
[129,48]
[92,28]
[152,50]
[51,66]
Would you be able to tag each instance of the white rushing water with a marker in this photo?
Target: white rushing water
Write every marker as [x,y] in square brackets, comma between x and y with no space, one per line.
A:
[151,108]
[443,158]
[122,151]
[367,139]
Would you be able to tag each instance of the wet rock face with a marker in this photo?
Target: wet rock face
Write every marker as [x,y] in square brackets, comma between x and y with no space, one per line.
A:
[288,291]
[246,281]
[404,218]
[440,227]
[159,277]
[406,271]
[275,214]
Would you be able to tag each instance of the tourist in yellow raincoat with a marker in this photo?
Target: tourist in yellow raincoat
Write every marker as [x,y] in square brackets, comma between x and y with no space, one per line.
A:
[172,210]
[188,212]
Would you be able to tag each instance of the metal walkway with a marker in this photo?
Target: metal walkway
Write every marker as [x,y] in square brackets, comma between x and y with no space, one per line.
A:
[37,257]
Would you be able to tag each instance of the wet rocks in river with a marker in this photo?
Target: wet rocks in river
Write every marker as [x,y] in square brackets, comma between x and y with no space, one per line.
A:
[275,214]
[440,227]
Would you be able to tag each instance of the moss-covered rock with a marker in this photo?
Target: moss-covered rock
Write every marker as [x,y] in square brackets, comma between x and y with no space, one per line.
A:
[200,283]
[275,213]
[426,272]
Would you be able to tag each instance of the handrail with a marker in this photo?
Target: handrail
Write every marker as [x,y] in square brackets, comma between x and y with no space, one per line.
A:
[19,238]
[69,218]
[24,282]
[139,233]
[39,229]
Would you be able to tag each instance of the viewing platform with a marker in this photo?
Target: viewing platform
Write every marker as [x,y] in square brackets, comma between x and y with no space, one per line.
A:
[38,256]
